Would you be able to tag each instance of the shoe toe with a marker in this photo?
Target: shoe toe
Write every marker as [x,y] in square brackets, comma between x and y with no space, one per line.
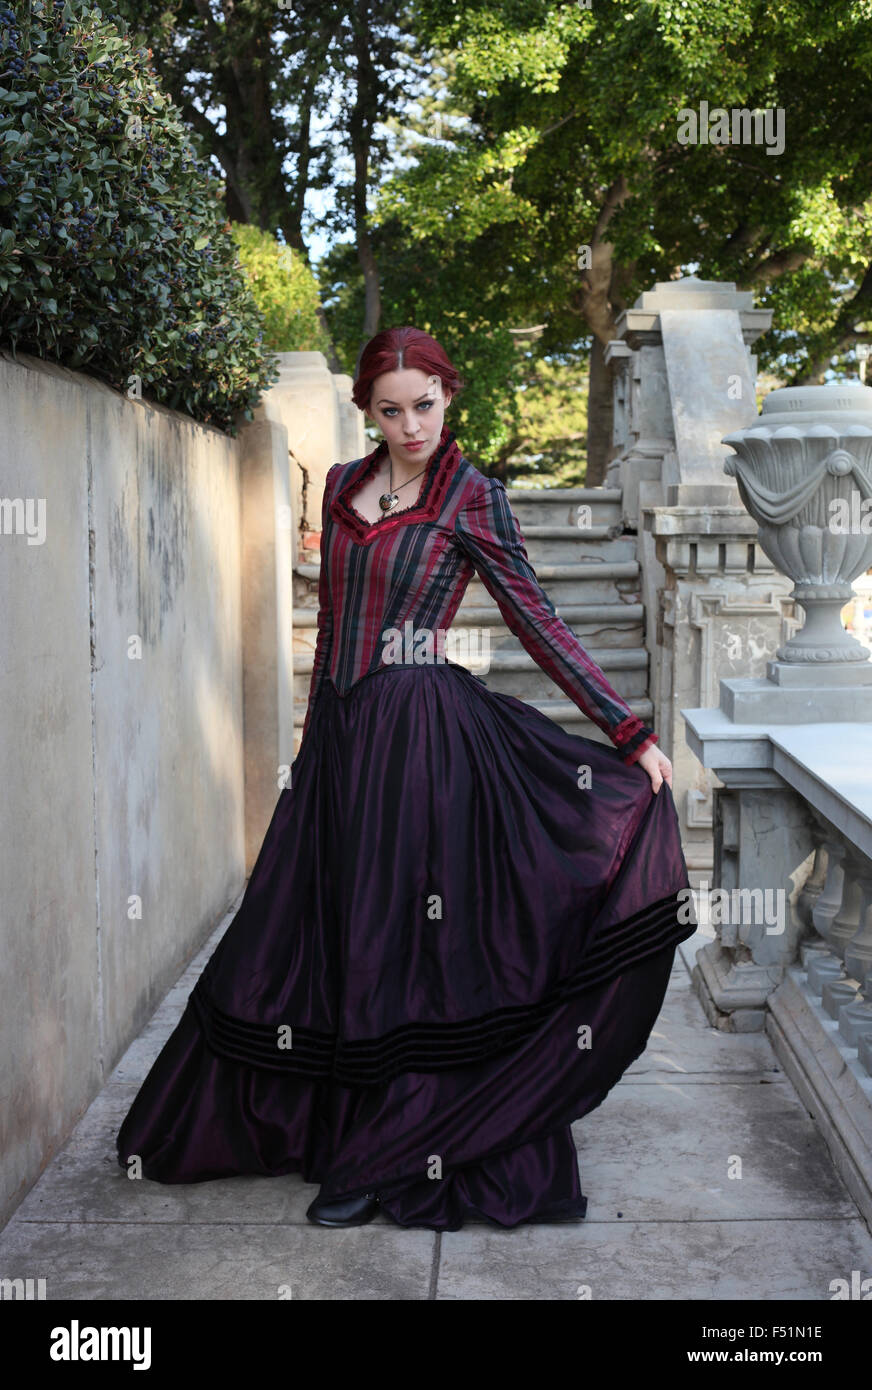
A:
[343,1211]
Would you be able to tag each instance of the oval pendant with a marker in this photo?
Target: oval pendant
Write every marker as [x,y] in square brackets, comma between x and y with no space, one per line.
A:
[388,500]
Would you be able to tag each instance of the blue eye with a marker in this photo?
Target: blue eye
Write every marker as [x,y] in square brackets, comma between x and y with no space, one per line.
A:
[391,410]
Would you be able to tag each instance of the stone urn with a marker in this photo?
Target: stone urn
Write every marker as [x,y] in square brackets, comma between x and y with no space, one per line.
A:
[804,472]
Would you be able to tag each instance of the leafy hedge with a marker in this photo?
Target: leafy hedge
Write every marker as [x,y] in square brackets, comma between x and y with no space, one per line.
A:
[285,291]
[115,256]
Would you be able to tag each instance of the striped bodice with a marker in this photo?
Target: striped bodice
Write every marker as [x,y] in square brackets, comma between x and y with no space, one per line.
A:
[397,583]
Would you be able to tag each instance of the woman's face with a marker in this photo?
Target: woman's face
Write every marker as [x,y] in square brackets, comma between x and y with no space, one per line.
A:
[409,408]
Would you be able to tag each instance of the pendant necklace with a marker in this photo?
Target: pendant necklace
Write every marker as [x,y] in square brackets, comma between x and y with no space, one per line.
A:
[389,500]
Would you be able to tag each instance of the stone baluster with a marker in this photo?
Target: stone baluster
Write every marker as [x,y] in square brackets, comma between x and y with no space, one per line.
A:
[855,1019]
[846,922]
[811,890]
[826,966]
[844,988]
[858,952]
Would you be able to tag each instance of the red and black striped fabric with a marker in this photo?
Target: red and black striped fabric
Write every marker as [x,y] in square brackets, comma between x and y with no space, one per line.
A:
[413,566]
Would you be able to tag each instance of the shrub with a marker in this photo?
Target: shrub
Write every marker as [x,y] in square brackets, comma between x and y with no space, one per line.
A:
[115,256]
[285,291]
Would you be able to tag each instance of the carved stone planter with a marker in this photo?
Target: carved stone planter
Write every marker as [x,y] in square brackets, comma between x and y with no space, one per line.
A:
[805,475]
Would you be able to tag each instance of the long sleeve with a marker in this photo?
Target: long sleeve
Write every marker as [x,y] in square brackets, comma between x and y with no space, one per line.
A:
[324,639]
[488,532]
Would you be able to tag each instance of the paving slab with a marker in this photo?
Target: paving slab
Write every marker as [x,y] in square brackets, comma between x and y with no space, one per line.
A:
[667,1152]
[683,1043]
[747,1260]
[86,1184]
[221,1260]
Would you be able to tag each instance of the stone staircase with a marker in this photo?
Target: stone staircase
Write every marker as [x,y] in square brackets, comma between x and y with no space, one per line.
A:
[591,574]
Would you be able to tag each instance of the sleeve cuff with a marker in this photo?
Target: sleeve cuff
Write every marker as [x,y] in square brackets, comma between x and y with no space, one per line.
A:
[632,738]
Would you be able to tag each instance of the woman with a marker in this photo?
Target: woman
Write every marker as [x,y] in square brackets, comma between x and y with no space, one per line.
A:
[459,929]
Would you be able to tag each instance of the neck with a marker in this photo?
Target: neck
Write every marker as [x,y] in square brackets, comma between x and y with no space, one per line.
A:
[403,472]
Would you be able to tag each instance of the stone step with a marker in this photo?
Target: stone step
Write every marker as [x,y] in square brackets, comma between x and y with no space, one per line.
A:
[605,627]
[576,545]
[514,672]
[608,626]
[560,505]
[561,710]
[310,571]
[589,581]
[575,615]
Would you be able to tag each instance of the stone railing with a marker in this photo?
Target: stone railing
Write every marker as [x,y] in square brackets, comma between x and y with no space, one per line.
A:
[835,969]
[793,749]
[820,1016]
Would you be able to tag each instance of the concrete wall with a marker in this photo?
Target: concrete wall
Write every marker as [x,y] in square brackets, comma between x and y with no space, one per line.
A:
[121,743]
[267,624]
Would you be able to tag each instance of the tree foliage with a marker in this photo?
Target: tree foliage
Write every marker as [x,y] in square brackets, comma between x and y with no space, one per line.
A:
[284,289]
[572,141]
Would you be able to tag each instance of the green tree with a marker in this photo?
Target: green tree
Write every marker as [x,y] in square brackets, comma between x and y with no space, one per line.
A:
[573,191]
[290,98]
[284,289]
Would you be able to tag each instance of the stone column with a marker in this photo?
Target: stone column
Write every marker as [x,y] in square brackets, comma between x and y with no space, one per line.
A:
[352,435]
[683,376]
[324,427]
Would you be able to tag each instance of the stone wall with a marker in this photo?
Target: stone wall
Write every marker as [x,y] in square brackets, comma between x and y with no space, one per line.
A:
[146,691]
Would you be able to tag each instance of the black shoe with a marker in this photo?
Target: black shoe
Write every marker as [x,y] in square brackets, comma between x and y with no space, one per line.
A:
[343,1211]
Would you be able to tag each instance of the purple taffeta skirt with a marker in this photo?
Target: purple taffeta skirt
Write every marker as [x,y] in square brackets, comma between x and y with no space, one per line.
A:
[453,943]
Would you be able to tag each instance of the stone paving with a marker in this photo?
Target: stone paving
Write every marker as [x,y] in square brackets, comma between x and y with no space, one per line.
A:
[665,1218]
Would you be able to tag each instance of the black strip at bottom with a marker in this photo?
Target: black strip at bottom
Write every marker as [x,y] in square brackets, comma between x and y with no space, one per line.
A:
[421,1047]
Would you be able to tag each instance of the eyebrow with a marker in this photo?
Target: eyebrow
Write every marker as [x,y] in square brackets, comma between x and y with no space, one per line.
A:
[423,397]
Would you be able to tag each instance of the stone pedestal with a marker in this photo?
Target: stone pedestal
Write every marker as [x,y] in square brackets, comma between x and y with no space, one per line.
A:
[763,842]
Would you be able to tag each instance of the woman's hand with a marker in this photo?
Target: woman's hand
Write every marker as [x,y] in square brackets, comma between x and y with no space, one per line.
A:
[657,766]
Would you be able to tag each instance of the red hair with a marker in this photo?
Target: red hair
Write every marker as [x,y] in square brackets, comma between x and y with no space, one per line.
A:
[402,347]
